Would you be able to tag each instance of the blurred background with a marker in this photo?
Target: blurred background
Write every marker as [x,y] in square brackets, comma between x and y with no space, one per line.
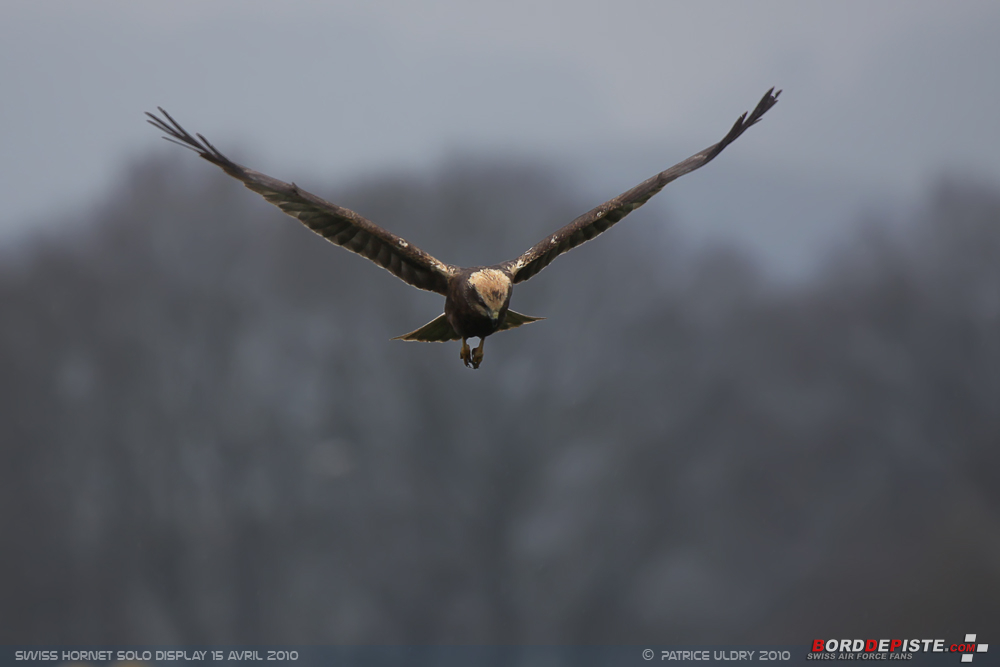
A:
[765,408]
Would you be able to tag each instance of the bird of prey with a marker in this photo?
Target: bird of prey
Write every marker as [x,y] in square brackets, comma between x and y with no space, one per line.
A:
[477,299]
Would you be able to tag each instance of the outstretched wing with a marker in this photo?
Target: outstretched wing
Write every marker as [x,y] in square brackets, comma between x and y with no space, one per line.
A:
[337,225]
[601,218]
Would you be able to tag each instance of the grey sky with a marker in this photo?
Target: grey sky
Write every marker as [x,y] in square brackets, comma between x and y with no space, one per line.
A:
[880,98]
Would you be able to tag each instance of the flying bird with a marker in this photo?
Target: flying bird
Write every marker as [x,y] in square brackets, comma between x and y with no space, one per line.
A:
[477,299]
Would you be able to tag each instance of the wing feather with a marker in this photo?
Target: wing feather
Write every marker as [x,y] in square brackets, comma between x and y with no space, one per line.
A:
[336,224]
[601,218]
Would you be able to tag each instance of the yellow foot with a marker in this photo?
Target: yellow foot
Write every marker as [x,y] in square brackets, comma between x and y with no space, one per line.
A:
[477,354]
[466,353]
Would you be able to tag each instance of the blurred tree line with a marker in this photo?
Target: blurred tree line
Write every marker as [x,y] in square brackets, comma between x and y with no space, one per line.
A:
[207,435]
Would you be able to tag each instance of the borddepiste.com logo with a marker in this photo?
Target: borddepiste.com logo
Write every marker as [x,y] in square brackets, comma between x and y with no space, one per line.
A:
[891,649]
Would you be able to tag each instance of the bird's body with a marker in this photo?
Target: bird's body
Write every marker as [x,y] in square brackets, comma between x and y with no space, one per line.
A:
[477,305]
[477,299]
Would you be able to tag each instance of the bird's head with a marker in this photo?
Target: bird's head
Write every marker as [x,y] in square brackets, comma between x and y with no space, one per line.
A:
[489,291]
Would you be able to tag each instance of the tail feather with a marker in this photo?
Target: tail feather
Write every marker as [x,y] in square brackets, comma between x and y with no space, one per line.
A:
[438,330]
[515,319]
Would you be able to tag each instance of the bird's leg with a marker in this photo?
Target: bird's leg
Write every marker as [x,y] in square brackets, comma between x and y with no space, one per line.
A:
[477,354]
[466,353]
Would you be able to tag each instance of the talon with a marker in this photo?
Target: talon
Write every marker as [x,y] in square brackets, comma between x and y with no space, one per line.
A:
[466,353]
[477,354]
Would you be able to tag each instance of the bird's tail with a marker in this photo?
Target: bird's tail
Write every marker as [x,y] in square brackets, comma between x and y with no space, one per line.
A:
[514,320]
[439,330]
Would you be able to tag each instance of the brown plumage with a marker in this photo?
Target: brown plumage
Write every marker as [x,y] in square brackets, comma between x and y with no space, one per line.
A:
[477,299]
